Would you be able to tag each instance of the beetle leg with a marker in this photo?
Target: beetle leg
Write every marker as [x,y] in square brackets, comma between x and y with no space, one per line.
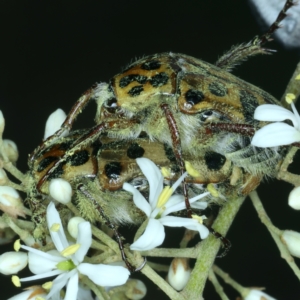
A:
[112,226]
[176,141]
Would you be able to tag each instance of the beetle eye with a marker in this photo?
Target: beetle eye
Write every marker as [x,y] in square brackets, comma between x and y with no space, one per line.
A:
[111,105]
[209,116]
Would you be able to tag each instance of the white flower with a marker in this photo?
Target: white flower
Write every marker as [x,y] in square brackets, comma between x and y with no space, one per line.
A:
[66,261]
[60,190]
[160,205]
[258,295]
[30,293]
[54,122]
[12,262]
[279,133]
[292,240]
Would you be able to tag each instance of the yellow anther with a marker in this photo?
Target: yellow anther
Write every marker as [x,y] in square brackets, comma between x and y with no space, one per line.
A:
[55,227]
[289,97]
[70,250]
[166,172]
[198,218]
[17,245]
[164,196]
[16,281]
[47,285]
[297,77]
[212,190]
[191,170]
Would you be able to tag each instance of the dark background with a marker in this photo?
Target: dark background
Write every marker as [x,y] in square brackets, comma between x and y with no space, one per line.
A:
[52,51]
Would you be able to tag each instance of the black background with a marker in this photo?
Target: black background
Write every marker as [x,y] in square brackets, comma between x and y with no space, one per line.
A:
[52,51]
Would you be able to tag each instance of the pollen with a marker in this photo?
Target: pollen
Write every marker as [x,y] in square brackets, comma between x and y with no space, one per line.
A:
[199,219]
[290,97]
[55,227]
[70,250]
[191,170]
[166,172]
[47,285]
[16,281]
[17,245]
[212,190]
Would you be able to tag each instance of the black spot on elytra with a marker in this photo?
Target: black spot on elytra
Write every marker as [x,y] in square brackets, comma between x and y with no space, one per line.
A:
[217,89]
[205,114]
[65,145]
[79,158]
[169,153]
[194,96]
[249,104]
[113,170]
[130,78]
[45,162]
[135,151]
[159,79]
[136,90]
[151,65]
[171,156]
[214,161]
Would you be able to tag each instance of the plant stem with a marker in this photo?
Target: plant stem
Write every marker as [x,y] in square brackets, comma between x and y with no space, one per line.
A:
[209,249]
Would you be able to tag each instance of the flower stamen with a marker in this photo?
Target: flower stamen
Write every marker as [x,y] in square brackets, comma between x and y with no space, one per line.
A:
[70,250]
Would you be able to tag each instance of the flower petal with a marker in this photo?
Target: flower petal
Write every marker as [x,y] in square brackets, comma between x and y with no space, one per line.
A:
[41,276]
[272,113]
[138,199]
[154,177]
[187,223]
[72,287]
[153,236]
[59,282]
[42,262]
[104,275]
[58,237]
[84,294]
[84,238]
[276,134]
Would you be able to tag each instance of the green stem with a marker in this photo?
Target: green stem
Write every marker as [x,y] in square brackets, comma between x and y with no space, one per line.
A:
[209,249]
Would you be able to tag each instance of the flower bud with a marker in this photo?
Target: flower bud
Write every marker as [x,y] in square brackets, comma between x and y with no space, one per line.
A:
[60,190]
[54,122]
[73,226]
[136,289]
[6,235]
[12,262]
[294,198]
[258,295]
[179,273]
[10,201]
[3,177]
[292,240]
[11,150]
